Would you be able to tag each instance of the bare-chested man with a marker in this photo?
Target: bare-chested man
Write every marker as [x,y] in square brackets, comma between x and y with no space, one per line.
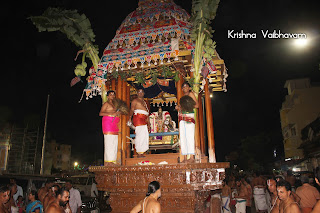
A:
[241,197]
[51,196]
[187,125]
[60,204]
[4,199]
[110,128]
[140,119]
[150,203]
[249,190]
[225,197]
[258,185]
[43,191]
[287,204]
[11,204]
[273,206]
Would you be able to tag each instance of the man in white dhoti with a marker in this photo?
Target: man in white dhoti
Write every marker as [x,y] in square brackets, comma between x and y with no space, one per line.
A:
[241,197]
[140,119]
[259,193]
[110,128]
[187,125]
[225,197]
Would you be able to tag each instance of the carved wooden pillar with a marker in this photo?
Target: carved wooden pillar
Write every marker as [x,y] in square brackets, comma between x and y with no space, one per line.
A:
[124,126]
[179,95]
[179,89]
[128,145]
[119,95]
[210,133]
[201,126]
[113,84]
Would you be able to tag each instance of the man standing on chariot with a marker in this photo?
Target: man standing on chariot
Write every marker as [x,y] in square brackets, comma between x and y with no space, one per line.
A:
[139,114]
[110,128]
[187,121]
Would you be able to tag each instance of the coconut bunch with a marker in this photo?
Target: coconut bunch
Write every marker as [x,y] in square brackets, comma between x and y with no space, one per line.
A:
[187,103]
[121,106]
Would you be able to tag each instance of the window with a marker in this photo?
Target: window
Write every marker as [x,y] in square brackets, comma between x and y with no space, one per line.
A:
[310,134]
[286,135]
[293,131]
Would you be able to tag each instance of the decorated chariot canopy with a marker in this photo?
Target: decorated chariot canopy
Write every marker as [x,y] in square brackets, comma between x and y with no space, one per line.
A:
[152,48]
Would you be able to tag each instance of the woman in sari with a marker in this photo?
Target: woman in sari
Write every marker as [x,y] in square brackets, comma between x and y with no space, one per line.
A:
[34,205]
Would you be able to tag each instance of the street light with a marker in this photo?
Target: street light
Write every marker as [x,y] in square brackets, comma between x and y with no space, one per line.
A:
[301,42]
[76,164]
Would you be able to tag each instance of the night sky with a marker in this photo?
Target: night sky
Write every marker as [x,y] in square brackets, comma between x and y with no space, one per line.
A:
[37,64]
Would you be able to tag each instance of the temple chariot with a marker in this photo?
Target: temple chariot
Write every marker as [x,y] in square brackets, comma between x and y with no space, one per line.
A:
[152,49]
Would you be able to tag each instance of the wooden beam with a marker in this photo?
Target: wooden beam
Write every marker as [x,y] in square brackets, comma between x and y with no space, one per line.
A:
[113,84]
[119,95]
[128,129]
[210,133]
[124,127]
[179,95]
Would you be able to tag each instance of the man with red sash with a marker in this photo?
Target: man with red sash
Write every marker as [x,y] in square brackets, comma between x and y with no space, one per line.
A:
[187,126]
[140,119]
[110,128]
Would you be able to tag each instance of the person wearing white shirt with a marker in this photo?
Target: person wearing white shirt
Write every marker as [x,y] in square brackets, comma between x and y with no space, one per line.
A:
[94,190]
[19,190]
[75,198]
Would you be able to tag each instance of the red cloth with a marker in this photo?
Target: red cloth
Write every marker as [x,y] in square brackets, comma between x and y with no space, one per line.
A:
[140,119]
[183,117]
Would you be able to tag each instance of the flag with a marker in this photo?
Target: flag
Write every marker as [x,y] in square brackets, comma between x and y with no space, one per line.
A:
[74,81]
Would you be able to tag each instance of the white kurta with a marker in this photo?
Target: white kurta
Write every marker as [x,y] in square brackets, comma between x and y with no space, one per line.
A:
[74,200]
[186,133]
[110,148]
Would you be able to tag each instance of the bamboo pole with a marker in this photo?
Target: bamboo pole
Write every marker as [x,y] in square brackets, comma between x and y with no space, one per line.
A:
[210,133]
[197,139]
[201,126]
[119,95]
[124,127]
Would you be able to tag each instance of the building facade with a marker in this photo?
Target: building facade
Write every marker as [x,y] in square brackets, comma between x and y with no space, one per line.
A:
[57,156]
[300,108]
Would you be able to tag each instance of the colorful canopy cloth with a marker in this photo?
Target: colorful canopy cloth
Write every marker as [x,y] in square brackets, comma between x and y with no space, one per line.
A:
[154,34]
[152,91]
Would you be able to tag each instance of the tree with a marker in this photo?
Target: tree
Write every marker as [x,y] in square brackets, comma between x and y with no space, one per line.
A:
[256,152]
[78,29]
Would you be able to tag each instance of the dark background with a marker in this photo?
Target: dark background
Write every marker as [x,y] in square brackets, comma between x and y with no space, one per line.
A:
[37,64]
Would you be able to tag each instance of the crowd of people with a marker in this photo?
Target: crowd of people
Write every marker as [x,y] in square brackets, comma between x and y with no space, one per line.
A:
[272,194]
[51,198]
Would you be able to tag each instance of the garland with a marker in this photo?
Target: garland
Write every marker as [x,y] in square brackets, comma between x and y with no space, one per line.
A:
[153,74]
